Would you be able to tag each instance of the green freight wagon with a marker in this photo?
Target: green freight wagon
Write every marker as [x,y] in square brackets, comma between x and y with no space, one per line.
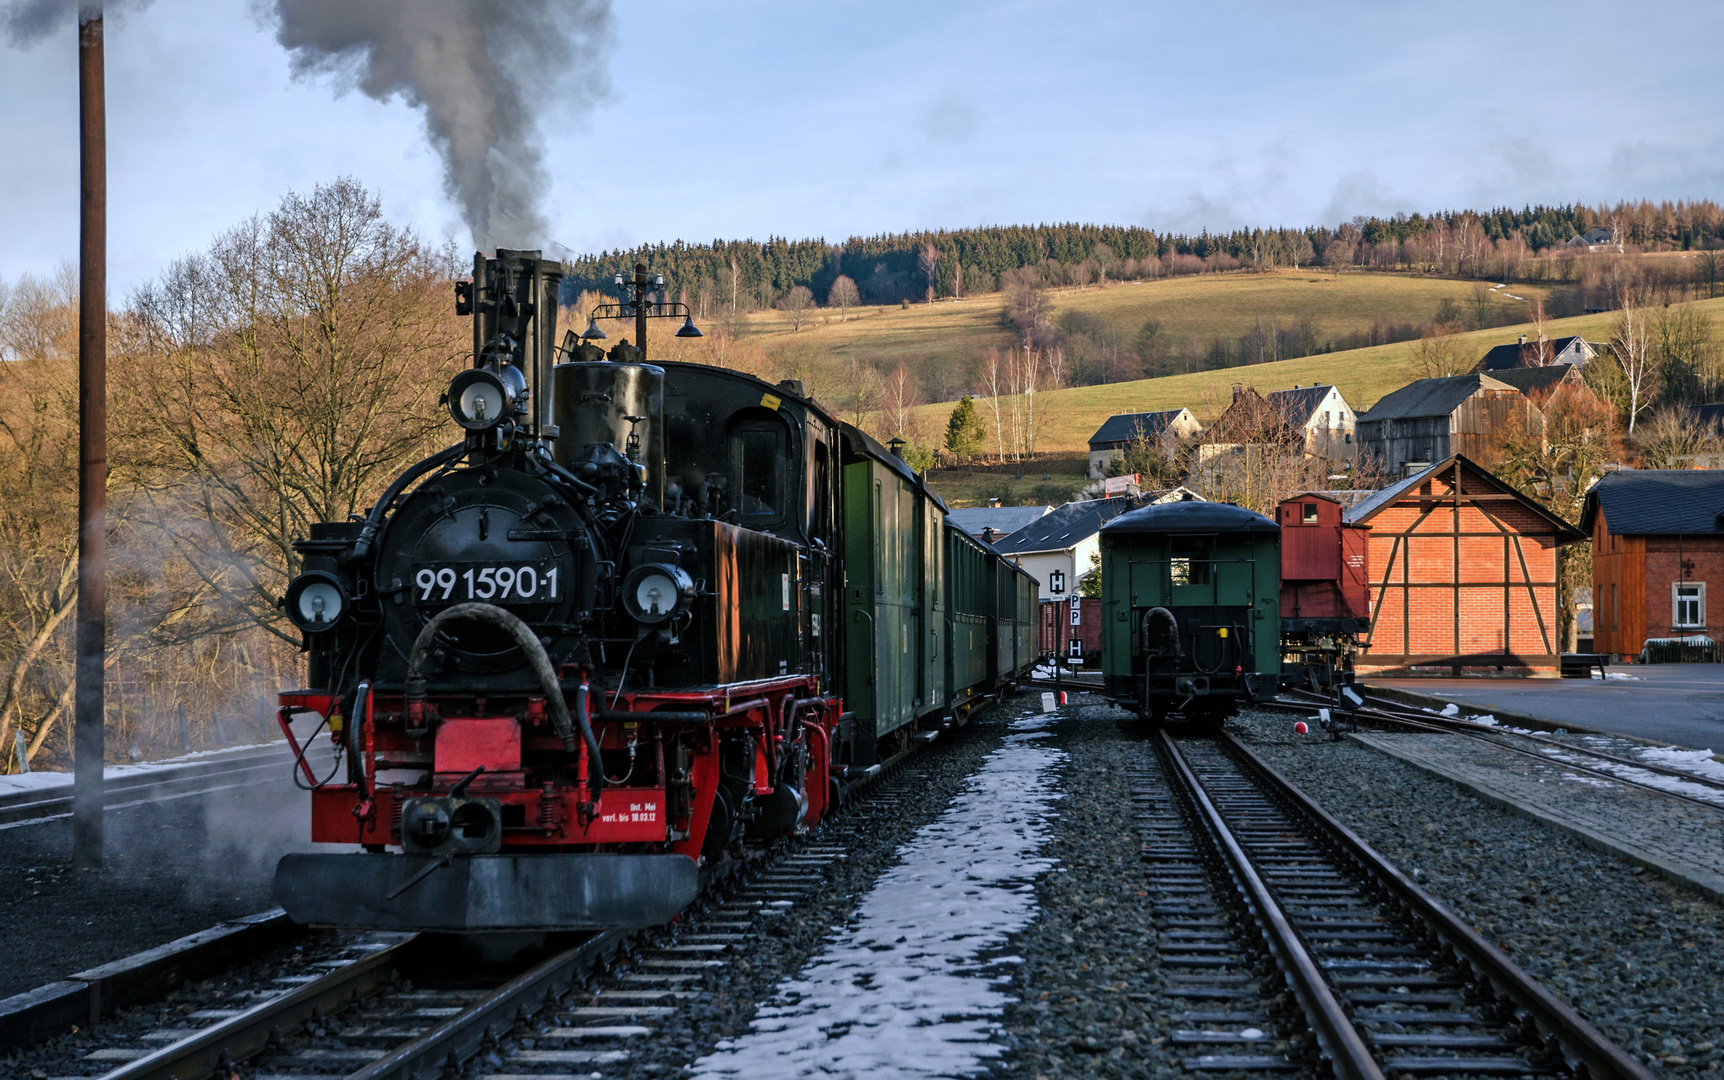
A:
[969,606]
[1191,620]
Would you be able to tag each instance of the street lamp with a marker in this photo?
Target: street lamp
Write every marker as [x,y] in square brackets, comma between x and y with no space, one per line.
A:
[636,288]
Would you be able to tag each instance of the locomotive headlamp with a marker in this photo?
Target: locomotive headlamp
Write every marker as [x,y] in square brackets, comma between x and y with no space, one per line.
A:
[480,398]
[316,601]
[657,591]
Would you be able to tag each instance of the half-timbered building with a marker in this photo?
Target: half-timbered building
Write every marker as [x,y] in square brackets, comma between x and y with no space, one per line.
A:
[1463,575]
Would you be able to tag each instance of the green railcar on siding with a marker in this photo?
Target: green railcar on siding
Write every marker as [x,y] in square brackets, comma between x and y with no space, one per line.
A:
[1191,615]
[932,686]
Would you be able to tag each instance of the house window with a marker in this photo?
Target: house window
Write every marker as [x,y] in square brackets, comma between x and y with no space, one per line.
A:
[1349,437]
[1326,422]
[1310,513]
[1615,620]
[1688,605]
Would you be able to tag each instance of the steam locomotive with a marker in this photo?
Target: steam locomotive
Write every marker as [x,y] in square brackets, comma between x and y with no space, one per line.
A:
[639,615]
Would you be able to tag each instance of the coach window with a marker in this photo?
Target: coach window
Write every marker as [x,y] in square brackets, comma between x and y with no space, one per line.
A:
[759,459]
[1191,555]
[1309,511]
[1688,605]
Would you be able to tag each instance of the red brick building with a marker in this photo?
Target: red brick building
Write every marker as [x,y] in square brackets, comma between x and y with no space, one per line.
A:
[1463,575]
[1657,548]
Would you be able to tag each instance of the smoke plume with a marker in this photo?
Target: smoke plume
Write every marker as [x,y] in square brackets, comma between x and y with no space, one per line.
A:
[481,71]
[25,22]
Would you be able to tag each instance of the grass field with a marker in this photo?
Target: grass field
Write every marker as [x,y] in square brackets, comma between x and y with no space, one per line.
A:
[954,334]
[1363,376]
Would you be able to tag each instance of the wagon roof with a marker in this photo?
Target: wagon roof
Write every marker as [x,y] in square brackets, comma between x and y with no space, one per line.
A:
[1180,517]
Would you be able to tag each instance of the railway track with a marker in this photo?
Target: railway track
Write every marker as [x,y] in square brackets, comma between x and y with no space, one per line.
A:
[1704,791]
[1298,947]
[377,1006]
[198,776]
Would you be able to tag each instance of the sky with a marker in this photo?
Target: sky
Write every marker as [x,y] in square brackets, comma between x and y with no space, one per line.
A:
[749,119]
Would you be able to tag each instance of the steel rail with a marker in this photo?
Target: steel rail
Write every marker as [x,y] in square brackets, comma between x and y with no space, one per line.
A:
[461,1035]
[1461,728]
[1390,706]
[197,1056]
[1579,1040]
[1349,1057]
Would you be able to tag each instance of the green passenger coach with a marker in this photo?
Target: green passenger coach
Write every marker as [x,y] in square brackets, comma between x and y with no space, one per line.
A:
[1190,609]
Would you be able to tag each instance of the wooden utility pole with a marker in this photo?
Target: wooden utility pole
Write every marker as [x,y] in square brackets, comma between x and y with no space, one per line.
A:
[90,709]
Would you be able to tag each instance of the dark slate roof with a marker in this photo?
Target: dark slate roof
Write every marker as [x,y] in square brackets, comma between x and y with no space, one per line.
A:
[1182,517]
[1368,507]
[1004,520]
[1537,380]
[1709,414]
[1430,397]
[1124,427]
[1514,354]
[1066,525]
[1656,502]
[1297,405]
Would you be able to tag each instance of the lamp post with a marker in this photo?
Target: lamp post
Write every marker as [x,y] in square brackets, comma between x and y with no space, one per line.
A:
[636,288]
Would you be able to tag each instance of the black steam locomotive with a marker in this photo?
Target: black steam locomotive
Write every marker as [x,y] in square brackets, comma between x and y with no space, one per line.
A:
[634,618]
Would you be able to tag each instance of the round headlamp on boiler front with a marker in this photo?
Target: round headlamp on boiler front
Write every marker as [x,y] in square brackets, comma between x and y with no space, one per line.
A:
[482,398]
[316,601]
[655,593]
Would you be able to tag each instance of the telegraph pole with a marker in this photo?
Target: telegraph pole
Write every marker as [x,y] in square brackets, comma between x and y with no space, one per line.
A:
[89,709]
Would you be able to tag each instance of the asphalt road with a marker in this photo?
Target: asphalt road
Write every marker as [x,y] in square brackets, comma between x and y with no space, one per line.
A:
[1671,703]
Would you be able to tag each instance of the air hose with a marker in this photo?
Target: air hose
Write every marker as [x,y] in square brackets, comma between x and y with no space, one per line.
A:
[529,643]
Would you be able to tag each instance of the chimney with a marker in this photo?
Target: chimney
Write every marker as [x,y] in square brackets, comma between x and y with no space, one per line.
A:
[987,534]
[1238,391]
[1523,339]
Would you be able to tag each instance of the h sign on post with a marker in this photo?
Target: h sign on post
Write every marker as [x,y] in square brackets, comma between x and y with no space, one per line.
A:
[1056,581]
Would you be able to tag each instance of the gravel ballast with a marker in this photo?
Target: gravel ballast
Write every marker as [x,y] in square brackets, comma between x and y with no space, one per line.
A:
[1636,955]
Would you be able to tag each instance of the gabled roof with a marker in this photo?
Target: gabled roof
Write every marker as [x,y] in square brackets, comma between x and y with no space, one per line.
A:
[1069,525]
[1347,499]
[1125,426]
[1297,404]
[1656,502]
[1379,501]
[1516,354]
[1004,520]
[1537,381]
[1431,397]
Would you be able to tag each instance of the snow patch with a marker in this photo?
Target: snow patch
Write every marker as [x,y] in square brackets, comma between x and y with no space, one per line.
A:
[43,781]
[903,990]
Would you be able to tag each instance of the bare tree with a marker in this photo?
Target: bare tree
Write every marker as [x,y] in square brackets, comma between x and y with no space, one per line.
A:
[957,278]
[1441,354]
[284,378]
[1105,260]
[899,399]
[866,390]
[735,281]
[928,261]
[1631,345]
[1671,439]
[994,380]
[843,296]
[796,303]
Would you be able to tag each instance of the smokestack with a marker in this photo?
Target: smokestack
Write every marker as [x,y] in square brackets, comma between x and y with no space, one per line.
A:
[481,72]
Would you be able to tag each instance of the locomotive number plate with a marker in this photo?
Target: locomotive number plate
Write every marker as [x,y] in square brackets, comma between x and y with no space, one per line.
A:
[505,583]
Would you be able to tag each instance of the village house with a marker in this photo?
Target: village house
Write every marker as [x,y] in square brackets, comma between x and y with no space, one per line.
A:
[1322,417]
[1114,437]
[1058,548]
[1462,575]
[1657,548]
[1431,419]
[1529,354]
